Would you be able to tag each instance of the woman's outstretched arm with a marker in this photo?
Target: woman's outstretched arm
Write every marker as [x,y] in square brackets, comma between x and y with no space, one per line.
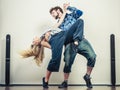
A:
[43,42]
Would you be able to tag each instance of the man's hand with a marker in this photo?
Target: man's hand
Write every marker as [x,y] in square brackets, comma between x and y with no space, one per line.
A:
[65,6]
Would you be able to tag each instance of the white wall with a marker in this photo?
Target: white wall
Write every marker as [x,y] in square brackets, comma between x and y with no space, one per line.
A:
[24,19]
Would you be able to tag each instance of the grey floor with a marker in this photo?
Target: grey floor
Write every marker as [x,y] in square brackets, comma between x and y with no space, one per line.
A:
[56,88]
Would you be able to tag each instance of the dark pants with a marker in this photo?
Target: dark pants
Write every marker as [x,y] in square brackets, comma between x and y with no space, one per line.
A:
[84,48]
[64,37]
[56,42]
[75,33]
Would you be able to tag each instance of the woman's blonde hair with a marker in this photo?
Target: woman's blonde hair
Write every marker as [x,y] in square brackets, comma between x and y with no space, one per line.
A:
[37,51]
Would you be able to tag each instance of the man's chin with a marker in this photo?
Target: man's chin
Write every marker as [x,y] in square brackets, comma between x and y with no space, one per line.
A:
[57,17]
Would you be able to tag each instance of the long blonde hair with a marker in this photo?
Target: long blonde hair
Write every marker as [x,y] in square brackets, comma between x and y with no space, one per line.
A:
[37,51]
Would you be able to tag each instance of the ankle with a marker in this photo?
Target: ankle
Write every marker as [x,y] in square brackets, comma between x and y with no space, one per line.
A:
[66,81]
[87,74]
[46,81]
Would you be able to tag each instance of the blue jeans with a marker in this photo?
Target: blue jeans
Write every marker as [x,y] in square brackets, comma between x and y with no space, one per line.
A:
[56,42]
[64,37]
[84,48]
[75,33]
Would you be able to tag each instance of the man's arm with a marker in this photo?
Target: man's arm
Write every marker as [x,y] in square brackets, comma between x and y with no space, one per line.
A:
[62,18]
[76,13]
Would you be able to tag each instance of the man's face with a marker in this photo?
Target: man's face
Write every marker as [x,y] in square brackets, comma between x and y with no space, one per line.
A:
[55,14]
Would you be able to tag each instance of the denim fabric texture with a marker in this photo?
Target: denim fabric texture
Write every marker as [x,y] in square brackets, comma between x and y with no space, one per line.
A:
[71,18]
[84,48]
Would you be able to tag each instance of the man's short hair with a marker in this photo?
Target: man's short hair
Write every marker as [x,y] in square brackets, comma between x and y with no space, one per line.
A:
[56,8]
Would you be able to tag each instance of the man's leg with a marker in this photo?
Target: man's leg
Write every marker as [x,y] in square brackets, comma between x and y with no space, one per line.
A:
[89,70]
[86,50]
[69,56]
[75,33]
[64,84]
[56,43]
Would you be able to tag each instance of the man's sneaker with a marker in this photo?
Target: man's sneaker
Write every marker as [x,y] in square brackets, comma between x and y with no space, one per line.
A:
[63,85]
[45,84]
[87,80]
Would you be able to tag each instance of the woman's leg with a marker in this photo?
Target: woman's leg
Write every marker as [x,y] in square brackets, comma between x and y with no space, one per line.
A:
[56,42]
[48,74]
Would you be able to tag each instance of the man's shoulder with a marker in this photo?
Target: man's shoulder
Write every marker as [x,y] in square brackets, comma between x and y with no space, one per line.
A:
[68,15]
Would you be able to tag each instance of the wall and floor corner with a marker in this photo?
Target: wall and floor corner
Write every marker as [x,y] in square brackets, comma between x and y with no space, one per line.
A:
[25,19]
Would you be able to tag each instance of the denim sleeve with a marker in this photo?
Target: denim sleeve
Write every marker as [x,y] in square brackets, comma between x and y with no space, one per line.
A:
[76,13]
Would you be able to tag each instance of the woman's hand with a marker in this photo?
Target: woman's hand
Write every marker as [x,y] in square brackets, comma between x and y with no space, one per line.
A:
[36,41]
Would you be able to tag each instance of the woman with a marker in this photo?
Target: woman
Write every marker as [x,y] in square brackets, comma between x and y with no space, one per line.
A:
[53,39]
[37,48]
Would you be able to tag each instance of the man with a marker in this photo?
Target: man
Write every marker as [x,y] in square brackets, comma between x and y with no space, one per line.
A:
[83,47]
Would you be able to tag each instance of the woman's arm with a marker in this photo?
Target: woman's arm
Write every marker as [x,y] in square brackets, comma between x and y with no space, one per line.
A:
[44,42]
